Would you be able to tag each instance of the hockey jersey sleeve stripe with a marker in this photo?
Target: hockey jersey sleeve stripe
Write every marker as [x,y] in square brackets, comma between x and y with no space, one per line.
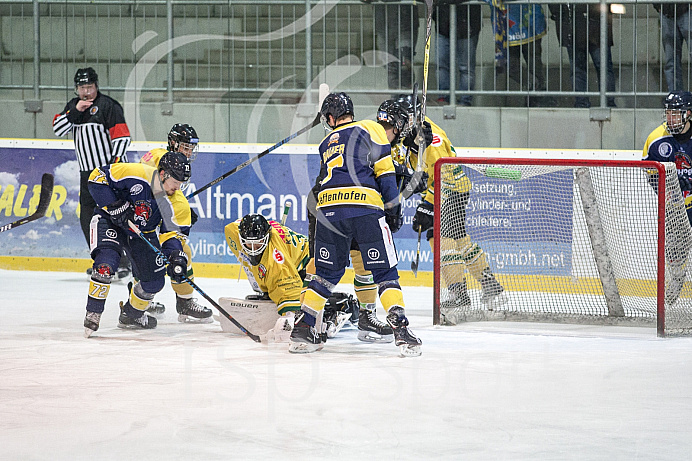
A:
[120,130]
[384,165]
[288,305]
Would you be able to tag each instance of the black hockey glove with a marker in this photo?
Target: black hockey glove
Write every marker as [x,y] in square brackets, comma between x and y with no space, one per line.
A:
[685,182]
[416,184]
[394,218]
[411,140]
[193,217]
[258,297]
[177,267]
[120,213]
[424,217]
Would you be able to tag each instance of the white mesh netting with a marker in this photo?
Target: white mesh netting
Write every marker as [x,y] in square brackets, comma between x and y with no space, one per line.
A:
[563,244]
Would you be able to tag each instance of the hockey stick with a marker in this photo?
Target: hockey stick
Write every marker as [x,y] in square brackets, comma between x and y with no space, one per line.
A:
[43,202]
[160,254]
[306,128]
[414,264]
[284,215]
[420,117]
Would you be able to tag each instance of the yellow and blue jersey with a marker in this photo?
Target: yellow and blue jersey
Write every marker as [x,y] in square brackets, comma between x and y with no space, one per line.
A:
[661,146]
[132,182]
[152,159]
[357,171]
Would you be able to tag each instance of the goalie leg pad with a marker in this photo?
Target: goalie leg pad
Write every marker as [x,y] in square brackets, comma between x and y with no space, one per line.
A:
[255,315]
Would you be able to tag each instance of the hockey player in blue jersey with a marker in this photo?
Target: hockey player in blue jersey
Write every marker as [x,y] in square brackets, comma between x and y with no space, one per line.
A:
[672,142]
[358,200]
[145,196]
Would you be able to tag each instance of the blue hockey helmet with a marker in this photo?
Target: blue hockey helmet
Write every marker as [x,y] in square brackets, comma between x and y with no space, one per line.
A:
[175,165]
[337,105]
[677,106]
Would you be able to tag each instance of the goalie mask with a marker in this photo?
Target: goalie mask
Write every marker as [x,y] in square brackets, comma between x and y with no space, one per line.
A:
[676,111]
[337,105]
[183,138]
[175,165]
[254,236]
[392,113]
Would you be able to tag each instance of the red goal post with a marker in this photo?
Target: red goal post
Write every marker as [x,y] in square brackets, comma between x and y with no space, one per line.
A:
[537,239]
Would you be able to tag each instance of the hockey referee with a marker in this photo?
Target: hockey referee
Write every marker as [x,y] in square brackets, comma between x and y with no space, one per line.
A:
[101,136]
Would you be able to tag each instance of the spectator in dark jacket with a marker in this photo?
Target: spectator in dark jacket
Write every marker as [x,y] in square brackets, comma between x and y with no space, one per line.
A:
[468,22]
[578,28]
[675,28]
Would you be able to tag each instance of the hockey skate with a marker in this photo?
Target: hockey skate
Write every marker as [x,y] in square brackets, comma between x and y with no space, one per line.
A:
[339,308]
[305,338]
[453,310]
[493,293]
[409,345]
[91,323]
[129,320]
[335,321]
[371,329]
[192,312]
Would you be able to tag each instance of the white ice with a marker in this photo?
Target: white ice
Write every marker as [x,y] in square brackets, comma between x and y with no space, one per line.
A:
[191,392]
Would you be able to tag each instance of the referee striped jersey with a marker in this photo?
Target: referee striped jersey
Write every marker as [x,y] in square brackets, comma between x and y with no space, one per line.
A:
[101,136]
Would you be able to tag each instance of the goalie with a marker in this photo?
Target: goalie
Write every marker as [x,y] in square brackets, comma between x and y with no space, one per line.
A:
[274,259]
[458,252]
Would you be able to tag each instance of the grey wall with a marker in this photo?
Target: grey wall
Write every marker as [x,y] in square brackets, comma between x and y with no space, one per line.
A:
[563,128]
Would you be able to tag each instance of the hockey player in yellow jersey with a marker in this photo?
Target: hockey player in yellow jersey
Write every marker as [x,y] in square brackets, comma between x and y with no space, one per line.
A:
[274,259]
[458,251]
[181,138]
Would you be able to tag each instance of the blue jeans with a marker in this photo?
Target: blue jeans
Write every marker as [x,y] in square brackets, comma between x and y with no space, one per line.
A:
[675,30]
[466,60]
[578,65]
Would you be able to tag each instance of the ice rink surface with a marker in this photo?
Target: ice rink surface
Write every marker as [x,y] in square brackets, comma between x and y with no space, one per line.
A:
[191,392]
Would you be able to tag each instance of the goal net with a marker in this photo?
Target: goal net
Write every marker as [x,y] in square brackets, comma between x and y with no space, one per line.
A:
[561,241]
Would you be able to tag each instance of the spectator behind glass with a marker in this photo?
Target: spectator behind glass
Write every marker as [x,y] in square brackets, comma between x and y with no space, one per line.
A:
[675,28]
[396,32]
[578,29]
[468,27]
[525,29]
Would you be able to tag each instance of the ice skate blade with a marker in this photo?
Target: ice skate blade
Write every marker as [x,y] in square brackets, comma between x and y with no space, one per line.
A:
[304,348]
[182,318]
[407,350]
[372,337]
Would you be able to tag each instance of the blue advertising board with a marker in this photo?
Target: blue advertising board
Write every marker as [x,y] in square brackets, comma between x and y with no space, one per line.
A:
[521,225]
[262,187]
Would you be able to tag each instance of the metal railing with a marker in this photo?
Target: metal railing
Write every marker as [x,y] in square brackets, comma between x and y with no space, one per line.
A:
[235,50]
